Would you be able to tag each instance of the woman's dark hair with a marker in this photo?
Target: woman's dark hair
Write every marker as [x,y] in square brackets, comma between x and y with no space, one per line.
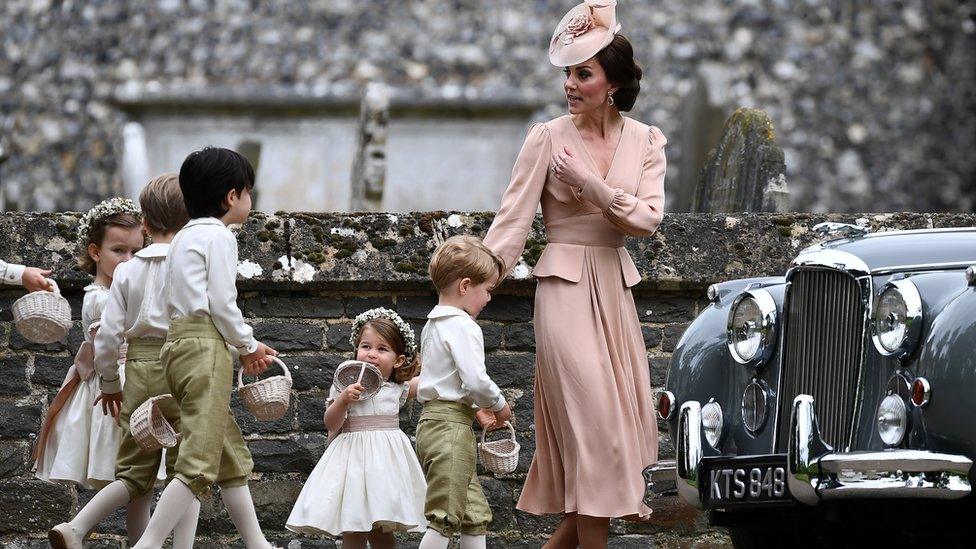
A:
[206,177]
[617,60]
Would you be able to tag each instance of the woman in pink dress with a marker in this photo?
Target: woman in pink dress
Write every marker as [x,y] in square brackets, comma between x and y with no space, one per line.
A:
[599,177]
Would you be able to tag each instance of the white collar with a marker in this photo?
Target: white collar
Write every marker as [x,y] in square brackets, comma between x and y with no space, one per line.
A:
[441,311]
[204,221]
[154,250]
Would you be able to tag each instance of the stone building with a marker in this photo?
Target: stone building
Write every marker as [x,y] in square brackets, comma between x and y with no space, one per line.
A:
[872,101]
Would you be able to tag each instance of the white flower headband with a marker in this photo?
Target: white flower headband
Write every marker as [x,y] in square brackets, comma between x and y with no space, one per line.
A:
[381,312]
[106,208]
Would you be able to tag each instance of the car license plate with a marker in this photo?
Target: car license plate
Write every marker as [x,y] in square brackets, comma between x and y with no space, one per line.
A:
[748,480]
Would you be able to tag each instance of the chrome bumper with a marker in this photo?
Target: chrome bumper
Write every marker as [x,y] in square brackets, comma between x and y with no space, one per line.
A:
[815,472]
[659,481]
[688,452]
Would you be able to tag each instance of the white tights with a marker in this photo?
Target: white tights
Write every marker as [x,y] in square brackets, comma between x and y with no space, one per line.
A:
[177,497]
[435,540]
[115,496]
[240,507]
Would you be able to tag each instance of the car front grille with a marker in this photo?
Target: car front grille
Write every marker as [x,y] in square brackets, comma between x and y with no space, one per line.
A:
[822,351]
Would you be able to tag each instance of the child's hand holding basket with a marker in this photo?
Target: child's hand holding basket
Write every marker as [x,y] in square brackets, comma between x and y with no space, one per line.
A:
[267,398]
[500,456]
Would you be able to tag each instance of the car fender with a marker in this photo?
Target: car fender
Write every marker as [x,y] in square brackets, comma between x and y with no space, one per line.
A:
[947,359]
[700,364]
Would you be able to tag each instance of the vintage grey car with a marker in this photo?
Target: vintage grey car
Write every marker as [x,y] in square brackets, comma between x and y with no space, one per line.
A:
[837,400]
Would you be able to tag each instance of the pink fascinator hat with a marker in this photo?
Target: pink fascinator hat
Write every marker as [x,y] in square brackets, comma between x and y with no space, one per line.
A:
[584,31]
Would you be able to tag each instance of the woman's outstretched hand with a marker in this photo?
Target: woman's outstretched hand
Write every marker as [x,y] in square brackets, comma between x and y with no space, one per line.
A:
[569,169]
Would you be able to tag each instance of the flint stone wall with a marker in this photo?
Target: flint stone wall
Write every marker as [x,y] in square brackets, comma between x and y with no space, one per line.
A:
[872,101]
[304,277]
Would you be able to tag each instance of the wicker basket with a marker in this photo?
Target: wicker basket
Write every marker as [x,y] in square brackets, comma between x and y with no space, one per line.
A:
[267,398]
[150,428]
[43,317]
[364,373]
[500,456]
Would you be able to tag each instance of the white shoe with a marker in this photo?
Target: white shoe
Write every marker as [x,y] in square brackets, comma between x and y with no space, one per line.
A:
[63,536]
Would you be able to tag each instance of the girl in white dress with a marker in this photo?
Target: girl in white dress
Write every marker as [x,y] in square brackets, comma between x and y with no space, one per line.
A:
[78,443]
[368,484]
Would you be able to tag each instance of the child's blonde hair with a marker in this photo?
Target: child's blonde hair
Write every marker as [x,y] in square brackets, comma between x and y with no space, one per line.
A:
[390,332]
[464,256]
[162,204]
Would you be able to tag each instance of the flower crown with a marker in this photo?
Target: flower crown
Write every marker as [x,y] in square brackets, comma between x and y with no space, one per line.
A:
[380,312]
[106,208]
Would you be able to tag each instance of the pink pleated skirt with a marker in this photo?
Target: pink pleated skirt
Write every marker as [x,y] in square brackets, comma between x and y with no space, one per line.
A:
[595,425]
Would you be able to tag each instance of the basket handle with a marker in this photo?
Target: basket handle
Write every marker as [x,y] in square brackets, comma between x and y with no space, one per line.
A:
[54,285]
[155,400]
[508,424]
[154,403]
[154,409]
[240,372]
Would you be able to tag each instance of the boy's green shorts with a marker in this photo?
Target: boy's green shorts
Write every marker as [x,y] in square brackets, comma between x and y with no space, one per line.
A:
[143,379]
[447,449]
[199,371]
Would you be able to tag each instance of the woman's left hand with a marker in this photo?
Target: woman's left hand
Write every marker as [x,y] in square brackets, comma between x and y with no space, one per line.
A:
[569,169]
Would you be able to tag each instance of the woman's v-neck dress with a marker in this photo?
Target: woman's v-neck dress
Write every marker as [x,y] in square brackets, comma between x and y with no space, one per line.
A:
[595,425]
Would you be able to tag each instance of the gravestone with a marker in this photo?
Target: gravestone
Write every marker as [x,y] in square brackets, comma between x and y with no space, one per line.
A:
[745,172]
[369,164]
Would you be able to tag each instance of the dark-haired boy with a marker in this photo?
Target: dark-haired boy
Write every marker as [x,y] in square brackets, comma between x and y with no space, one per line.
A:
[205,320]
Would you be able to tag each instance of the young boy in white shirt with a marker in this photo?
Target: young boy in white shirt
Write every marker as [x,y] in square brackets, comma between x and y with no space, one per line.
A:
[136,313]
[204,321]
[454,383]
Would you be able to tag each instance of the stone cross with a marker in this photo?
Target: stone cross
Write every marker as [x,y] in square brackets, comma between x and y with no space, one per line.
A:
[746,171]
[369,164]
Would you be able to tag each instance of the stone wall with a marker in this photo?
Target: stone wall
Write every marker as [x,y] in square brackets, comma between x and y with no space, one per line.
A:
[303,278]
[871,101]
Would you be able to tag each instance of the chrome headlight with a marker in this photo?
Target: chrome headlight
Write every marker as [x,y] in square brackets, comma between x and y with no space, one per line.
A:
[752,327]
[897,319]
[754,406]
[712,423]
[892,420]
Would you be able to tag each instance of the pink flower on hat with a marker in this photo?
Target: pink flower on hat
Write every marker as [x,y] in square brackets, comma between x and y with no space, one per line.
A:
[576,26]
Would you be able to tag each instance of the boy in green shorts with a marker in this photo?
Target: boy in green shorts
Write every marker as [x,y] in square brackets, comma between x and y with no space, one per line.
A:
[136,313]
[454,383]
[204,321]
